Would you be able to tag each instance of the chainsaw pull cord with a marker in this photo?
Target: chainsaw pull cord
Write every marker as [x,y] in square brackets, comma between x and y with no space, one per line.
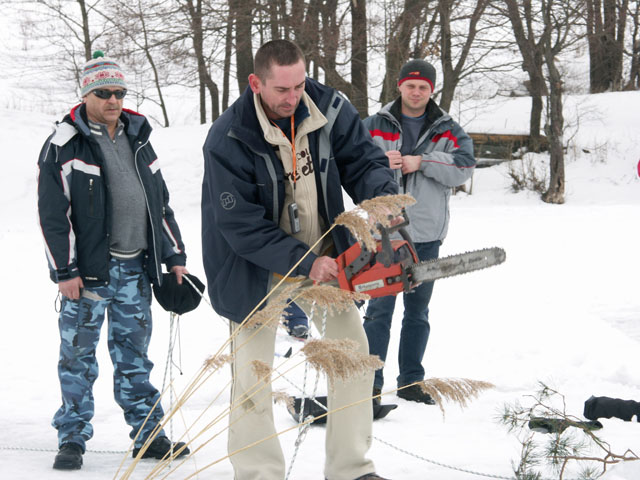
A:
[292,142]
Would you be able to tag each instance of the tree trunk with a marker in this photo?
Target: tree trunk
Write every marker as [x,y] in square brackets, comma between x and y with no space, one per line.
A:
[555,126]
[154,68]
[555,192]
[397,52]
[532,61]
[634,73]
[226,70]
[359,93]
[86,36]
[606,24]
[243,16]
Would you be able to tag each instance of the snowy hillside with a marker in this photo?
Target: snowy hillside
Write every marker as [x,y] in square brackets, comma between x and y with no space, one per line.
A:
[564,309]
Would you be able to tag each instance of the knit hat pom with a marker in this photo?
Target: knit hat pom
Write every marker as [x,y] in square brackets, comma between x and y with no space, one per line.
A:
[97,54]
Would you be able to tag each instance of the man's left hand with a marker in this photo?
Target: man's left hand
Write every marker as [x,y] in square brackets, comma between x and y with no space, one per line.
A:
[179,270]
[411,163]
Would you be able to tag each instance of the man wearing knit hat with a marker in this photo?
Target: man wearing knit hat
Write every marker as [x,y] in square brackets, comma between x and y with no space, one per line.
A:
[430,154]
[107,227]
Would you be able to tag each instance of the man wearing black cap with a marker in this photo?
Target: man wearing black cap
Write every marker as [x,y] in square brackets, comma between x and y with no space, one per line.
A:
[430,154]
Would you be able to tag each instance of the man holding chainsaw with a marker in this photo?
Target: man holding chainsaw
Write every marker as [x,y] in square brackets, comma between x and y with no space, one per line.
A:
[429,154]
[275,165]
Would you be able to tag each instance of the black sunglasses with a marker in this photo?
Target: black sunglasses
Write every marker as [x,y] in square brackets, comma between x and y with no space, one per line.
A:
[106,94]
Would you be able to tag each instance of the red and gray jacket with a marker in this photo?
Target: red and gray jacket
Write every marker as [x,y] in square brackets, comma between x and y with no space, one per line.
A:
[73,202]
[447,161]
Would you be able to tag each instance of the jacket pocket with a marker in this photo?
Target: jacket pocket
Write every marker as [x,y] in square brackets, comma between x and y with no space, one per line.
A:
[95,197]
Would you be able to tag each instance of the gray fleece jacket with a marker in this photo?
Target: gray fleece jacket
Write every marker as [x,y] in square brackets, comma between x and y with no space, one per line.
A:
[447,161]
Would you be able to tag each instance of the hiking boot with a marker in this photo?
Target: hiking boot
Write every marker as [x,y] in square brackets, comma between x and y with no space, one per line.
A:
[161,448]
[300,331]
[69,457]
[376,395]
[415,394]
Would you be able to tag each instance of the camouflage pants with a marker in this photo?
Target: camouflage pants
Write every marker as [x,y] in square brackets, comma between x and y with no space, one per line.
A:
[127,299]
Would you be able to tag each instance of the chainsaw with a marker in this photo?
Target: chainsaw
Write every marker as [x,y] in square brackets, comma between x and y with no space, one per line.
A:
[394,267]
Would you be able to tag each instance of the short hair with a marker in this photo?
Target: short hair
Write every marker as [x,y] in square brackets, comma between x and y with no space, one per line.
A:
[280,52]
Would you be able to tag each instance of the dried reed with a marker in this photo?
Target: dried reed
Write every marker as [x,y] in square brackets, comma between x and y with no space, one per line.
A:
[332,298]
[359,228]
[214,362]
[383,209]
[457,390]
[271,314]
[261,370]
[339,358]
[283,398]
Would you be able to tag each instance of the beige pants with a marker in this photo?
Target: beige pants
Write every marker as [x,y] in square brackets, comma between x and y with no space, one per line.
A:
[348,436]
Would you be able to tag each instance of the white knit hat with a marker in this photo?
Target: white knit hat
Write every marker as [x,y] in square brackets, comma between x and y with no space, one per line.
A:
[101,72]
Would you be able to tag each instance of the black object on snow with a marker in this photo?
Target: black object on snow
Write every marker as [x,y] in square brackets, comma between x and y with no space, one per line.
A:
[605,407]
[559,425]
[312,408]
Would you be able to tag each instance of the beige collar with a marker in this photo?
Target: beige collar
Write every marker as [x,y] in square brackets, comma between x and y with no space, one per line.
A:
[273,134]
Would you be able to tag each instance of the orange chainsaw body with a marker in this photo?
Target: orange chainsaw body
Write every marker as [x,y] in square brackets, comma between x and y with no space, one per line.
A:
[383,272]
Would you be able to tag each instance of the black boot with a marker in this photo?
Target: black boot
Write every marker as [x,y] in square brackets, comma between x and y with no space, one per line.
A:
[161,448]
[415,394]
[376,395]
[69,457]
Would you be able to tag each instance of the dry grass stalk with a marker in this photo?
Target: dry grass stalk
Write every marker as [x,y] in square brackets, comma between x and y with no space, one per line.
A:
[332,298]
[339,358]
[283,398]
[271,314]
[261,370]
[383,209]
[457,390]
[214,362]
[359,228]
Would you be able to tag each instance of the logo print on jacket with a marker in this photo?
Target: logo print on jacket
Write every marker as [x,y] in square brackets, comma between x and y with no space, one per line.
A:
[227,200]
[305,165]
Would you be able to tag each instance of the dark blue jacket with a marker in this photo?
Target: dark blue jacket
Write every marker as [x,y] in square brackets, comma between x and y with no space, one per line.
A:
[243,195]
[73,202]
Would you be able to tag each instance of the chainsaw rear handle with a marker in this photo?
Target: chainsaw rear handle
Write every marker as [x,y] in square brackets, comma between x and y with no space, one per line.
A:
[386,255]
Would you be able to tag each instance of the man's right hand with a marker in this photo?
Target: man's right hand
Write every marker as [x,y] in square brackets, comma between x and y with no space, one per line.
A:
[324,269]
[395,159]
[71,288]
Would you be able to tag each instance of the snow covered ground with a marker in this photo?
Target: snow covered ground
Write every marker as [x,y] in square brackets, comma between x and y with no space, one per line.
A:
[564,310]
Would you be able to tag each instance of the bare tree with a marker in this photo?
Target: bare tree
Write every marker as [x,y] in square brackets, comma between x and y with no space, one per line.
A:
[523,20]
[195,13]
[634,70]
[452,74]
[551,28]
[134,23]
[415,20]
[606,24]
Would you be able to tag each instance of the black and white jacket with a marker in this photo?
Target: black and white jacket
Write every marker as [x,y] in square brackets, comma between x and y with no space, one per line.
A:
[73,202]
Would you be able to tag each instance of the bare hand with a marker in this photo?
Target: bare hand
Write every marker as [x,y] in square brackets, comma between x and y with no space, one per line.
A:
[395,159]
[324,269]
[411,163]
[179,270]
[71,288]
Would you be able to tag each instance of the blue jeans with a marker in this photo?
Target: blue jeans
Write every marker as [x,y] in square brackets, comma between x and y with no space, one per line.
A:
[127,299]
[415,325]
